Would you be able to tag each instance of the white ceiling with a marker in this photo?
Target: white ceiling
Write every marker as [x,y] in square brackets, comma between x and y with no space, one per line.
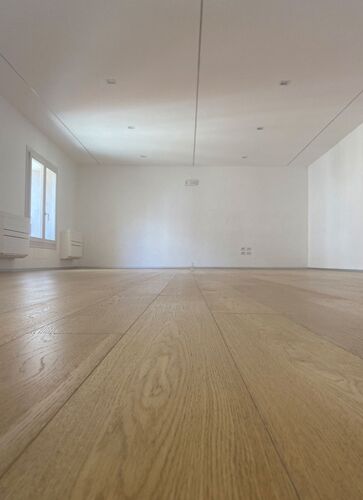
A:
[57,55]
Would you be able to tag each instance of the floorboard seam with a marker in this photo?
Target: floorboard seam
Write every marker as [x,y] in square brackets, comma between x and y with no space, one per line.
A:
[323,337]
[301,289]
[67,293]
[83,381]
[31,331]
[250,394]
[301,324]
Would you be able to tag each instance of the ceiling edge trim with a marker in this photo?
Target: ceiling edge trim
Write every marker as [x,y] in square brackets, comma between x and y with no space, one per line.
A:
[48,109]
[330,122]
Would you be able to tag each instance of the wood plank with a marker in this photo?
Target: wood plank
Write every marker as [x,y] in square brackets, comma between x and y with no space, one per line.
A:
[233,301]
[112,315]
[348,285]
[19,321]
[310,395]
[181,284]
[150,286]
[39,372]
[164,416]
[334,318]
[157,416]
[37,375]
[20,290]
[16,322]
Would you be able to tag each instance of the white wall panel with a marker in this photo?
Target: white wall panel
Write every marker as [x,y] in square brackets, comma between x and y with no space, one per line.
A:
[145,216]
[16,133]
[336,206]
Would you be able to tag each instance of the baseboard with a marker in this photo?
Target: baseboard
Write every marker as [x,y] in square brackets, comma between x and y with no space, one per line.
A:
[133,267]
[25,269]
[341,269]
[265,268]
[245,268]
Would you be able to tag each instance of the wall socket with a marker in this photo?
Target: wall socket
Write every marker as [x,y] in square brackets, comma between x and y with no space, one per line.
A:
[246,250]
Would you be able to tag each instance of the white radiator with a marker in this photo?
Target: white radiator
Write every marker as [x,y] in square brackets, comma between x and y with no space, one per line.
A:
[14,236]
[71,244]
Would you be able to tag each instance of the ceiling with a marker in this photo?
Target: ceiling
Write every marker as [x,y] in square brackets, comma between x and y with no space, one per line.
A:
[194,87]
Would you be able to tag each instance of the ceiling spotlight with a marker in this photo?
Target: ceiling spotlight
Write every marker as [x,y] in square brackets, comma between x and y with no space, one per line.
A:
[111,81]
[143,156]
[244,157]
[285,83]
[260,128]
[130,127]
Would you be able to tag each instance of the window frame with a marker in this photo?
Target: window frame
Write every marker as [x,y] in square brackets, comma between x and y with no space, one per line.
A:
[34,241]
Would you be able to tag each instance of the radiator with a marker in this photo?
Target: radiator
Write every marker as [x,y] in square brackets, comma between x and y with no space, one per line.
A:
[71,244]
[14,236]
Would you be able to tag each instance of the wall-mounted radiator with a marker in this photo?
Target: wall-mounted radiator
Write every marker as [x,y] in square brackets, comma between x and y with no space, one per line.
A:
[14,236]
[71,245]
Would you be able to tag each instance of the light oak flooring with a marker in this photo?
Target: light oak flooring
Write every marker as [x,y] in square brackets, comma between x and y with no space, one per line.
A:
[178,384]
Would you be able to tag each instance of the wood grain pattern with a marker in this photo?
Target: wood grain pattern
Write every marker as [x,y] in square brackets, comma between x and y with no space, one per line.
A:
[38,374]
[39,371]
[233,301]
[178,384]
[108,316]
[310,393]
[18,321]
[162,417]
[328,303]
[329,316]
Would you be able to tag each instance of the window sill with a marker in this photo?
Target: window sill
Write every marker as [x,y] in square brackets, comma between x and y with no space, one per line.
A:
[47,244]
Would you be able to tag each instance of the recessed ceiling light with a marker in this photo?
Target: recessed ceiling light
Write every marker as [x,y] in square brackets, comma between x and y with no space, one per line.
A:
[111,81]
[131,127]
[260,128]
[285,83]
[244,157]
[143,156]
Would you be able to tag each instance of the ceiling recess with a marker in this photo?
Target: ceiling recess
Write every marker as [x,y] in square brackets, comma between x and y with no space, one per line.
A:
[201,108]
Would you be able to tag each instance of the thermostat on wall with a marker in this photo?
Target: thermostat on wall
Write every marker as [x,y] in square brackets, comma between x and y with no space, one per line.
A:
[192,182]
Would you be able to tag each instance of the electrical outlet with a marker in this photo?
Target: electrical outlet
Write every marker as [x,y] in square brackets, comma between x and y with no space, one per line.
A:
[246,251]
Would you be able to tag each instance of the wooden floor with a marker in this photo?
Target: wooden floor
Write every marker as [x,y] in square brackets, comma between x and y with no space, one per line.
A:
[205,384]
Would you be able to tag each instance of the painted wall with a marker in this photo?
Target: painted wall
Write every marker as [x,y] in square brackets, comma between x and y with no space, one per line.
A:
[15,134]
[145,216]
[336,206]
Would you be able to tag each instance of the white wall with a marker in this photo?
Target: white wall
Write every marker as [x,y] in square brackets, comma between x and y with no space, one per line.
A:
[145,216]
[15,134]
[336,206]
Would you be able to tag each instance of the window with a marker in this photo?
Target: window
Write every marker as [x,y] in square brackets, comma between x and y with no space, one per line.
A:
[42,201]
